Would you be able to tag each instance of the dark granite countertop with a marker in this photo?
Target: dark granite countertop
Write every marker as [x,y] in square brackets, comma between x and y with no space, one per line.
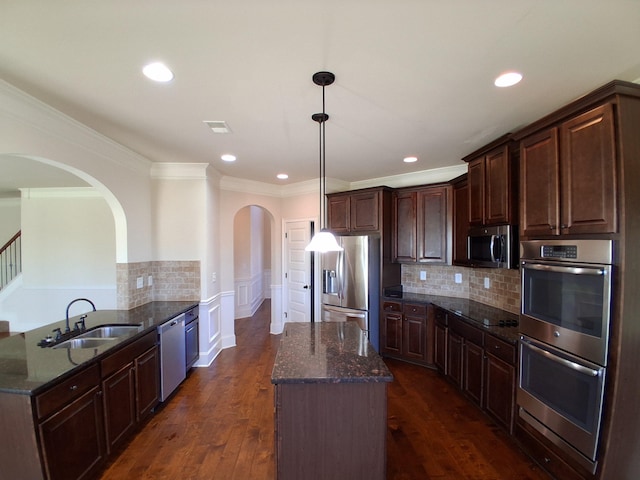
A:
[475,313]
[26,368]
[327,352]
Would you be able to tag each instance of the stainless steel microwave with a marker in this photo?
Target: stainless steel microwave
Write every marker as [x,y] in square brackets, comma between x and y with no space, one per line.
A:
[491,246]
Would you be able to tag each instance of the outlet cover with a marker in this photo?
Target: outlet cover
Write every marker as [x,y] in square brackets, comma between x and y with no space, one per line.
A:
[423,275]
[458,278]
[139,282]
[487,282]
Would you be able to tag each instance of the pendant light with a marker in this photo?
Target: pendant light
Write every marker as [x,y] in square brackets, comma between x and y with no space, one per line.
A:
[323,241]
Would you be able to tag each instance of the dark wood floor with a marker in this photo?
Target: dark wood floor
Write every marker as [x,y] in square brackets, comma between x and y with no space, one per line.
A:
[219,425]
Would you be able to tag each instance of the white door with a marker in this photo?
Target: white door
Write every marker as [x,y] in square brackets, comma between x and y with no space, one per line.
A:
[298,271]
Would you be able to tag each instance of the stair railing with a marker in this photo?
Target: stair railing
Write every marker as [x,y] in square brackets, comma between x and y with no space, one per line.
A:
[11,260]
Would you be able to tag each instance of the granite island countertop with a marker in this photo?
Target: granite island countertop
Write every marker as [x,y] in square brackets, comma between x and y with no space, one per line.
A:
[327,352]
[26,368]
[476,313]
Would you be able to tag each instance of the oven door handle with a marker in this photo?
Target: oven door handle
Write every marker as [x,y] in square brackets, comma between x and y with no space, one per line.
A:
[559,269]
[567,363]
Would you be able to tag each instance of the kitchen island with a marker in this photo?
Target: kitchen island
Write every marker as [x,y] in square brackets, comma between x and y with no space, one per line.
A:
[330,403]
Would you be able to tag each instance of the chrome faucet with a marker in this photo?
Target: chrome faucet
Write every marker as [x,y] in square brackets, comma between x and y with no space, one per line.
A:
[67,329]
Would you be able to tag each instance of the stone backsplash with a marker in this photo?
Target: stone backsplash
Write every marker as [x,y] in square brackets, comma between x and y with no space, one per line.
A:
[503,291]
[170,280]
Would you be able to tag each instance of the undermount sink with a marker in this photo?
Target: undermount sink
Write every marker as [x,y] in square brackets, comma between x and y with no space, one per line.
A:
[85,343]
[110,331]
[99,336]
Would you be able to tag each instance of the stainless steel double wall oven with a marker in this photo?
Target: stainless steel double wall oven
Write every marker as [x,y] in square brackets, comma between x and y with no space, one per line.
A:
[565,316]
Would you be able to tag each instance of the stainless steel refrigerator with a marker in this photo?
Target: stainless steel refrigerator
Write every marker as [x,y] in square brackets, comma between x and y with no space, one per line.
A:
[351,284]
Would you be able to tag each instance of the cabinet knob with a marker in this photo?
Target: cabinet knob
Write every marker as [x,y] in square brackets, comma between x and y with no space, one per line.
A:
[73,387]
[497,347]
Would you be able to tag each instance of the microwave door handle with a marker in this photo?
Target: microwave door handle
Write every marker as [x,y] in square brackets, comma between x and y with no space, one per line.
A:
[491,248]
[567,363]
[567,269]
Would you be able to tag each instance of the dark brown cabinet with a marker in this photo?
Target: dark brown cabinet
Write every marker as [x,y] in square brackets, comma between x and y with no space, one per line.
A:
[414,330]
[468,347]
[405,243]
[119,404]
[480,364]
[132,390]
[407,332]
[422,225]
[441,339]
[568,176]
[71,428]
[391,328]
[492,183]
[460,220]
[356,212]
[500,381]
[454,358]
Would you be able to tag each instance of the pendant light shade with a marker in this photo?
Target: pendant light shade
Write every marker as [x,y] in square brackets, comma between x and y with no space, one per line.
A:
[323,241]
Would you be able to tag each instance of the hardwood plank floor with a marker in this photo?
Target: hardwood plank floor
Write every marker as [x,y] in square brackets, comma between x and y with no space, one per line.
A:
[219,425]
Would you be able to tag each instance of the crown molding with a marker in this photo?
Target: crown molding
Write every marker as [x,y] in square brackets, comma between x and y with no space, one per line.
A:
[424,177]
[35,113]
[179,171]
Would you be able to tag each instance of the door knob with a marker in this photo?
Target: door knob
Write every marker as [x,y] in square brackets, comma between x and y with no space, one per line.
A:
[307,286]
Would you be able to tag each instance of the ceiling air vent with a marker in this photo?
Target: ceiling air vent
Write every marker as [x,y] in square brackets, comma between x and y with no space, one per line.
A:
[218,126]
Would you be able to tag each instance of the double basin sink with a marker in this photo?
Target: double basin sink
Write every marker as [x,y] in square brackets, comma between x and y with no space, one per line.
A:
[99,336]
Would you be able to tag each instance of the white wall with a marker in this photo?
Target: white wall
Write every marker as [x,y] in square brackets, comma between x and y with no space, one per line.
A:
[9,218]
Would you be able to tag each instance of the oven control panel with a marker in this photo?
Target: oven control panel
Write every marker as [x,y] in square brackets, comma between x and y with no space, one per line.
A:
[559,251]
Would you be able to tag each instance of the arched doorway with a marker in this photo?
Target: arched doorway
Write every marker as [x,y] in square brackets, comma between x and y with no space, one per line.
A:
[70,224]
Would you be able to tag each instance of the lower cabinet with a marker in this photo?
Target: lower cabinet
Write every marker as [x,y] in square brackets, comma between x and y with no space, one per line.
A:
[407,331]
[500,381]
[72,438]
[441,338]
[480,364]
[132,391]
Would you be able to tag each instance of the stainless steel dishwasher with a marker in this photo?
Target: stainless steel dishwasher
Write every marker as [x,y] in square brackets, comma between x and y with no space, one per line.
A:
[172,355]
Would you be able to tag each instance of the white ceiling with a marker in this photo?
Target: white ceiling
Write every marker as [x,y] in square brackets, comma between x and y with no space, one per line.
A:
[413,77]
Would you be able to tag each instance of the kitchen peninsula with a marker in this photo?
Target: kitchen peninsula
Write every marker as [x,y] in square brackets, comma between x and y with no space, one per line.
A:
[331,403]
[64,410]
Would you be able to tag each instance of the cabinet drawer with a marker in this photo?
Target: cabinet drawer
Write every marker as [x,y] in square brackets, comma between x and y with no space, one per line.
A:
[501,349]
[56,397]
[120,358]
[468,332]
[414,309]
[392,306]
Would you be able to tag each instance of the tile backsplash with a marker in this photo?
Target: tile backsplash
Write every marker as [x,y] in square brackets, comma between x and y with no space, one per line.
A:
[503,291]
[170,280]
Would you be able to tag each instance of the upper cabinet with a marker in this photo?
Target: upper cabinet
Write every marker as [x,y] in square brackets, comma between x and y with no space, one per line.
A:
[568,176]
[357,212]
[460,220]
[422,225]
[493,184]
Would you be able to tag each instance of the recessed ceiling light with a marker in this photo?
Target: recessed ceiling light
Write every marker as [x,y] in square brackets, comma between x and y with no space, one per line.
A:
[410,159]
[227,157]
[282,176]
[508,79]
[158,72]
